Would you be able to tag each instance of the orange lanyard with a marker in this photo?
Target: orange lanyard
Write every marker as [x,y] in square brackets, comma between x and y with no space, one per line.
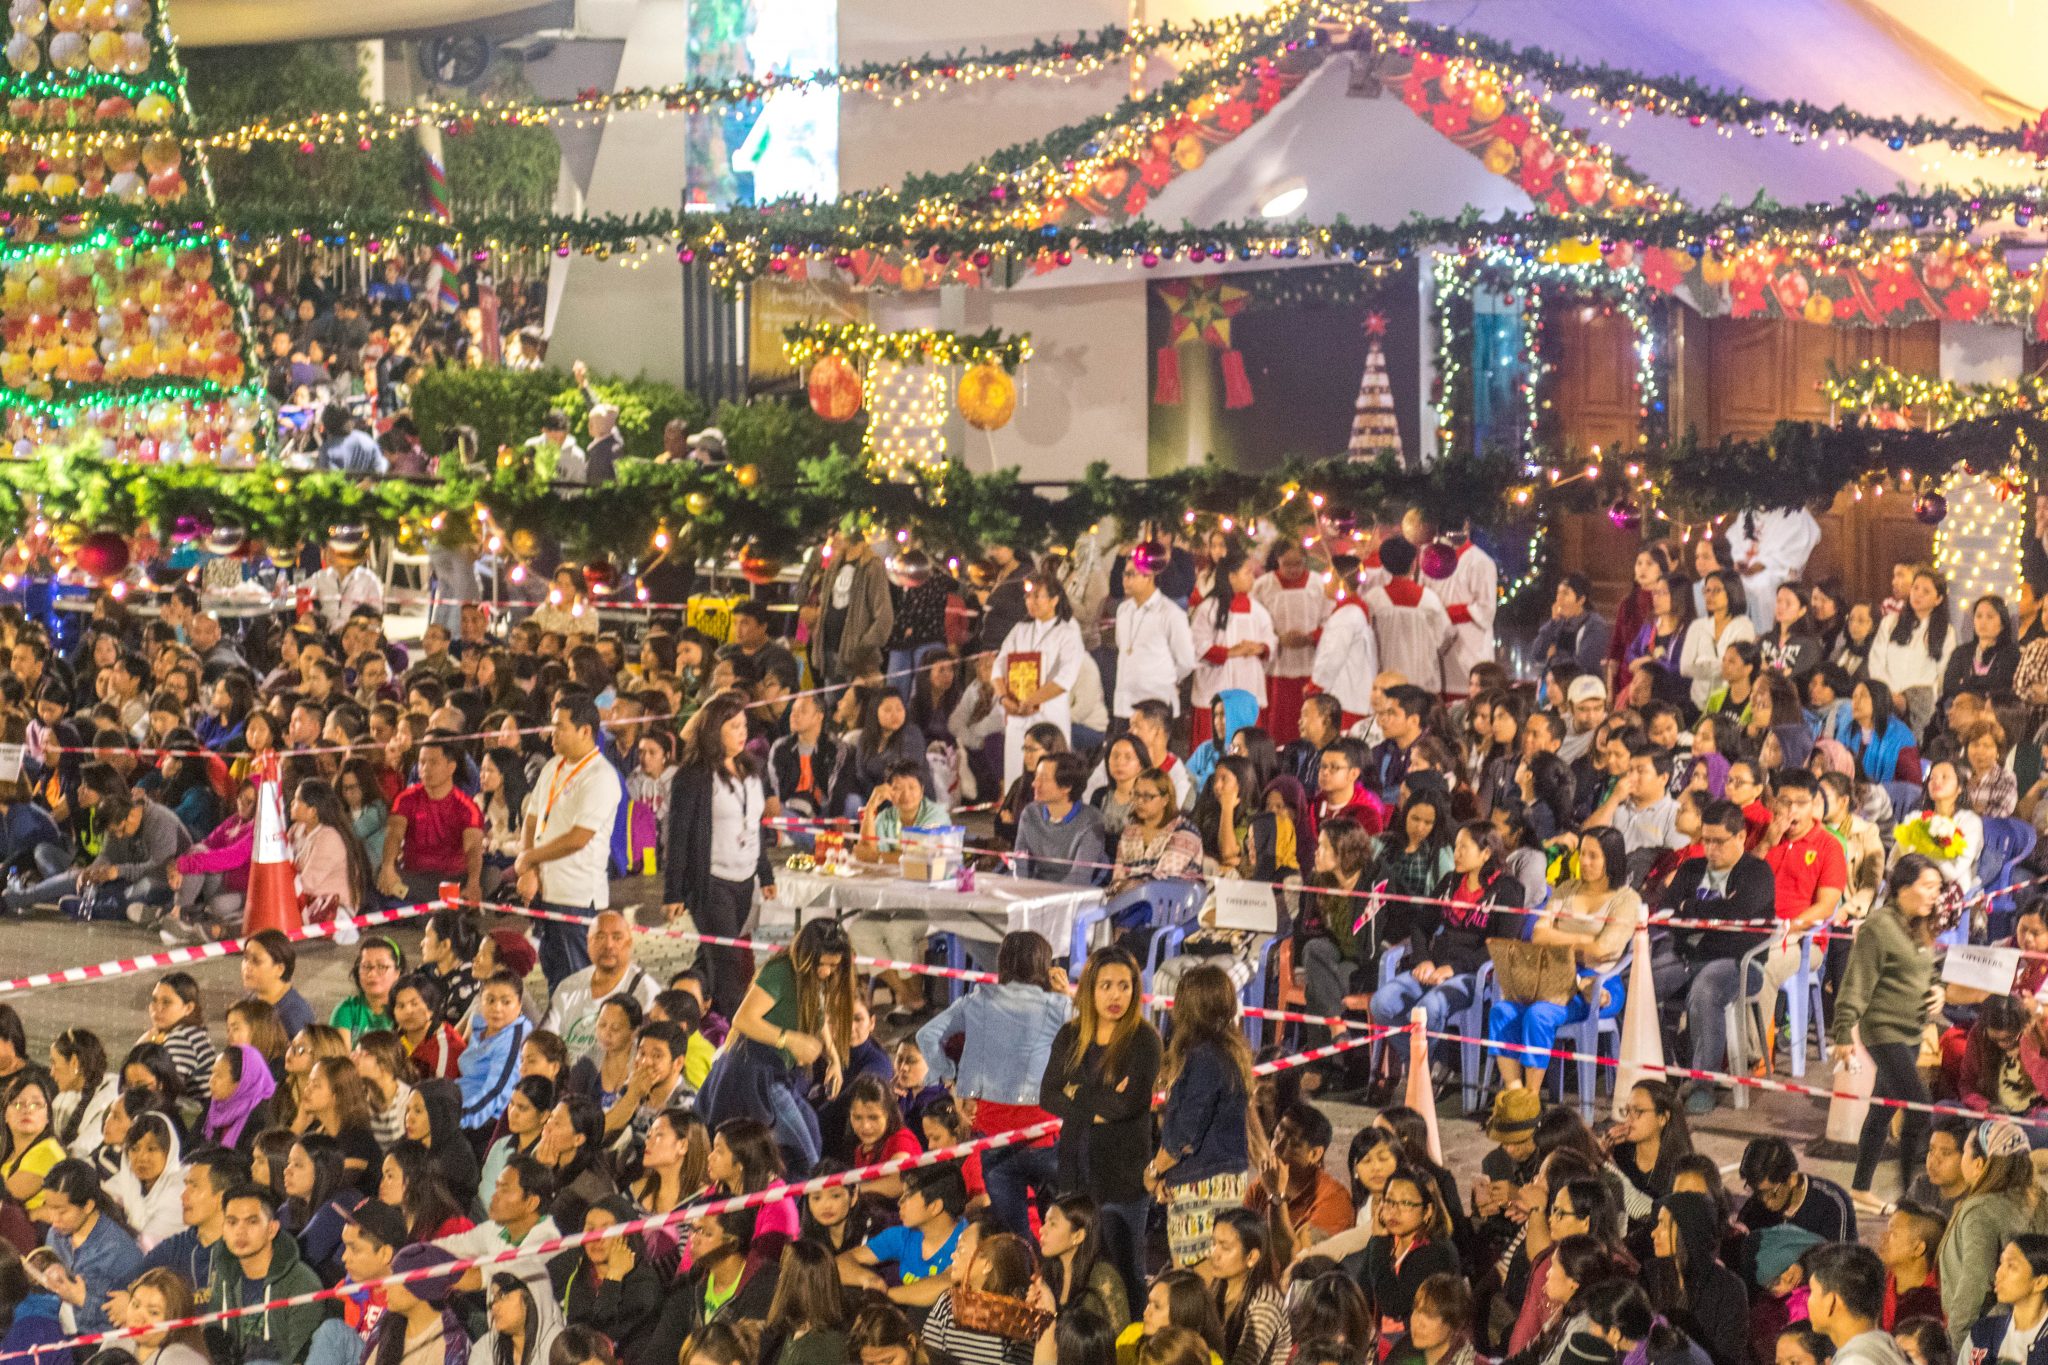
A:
[561,780]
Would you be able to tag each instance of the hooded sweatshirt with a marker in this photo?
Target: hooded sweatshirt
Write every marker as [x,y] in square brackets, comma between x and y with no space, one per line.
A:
[543,1325]
[1240,709]
[156,1214]
[275,1334]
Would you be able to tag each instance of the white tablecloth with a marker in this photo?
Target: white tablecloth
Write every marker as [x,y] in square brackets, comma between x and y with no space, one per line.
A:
[997,905]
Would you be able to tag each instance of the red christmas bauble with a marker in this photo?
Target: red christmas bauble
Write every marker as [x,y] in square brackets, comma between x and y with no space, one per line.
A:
[834,388]
[1438,560]
[103,554]
[759,569]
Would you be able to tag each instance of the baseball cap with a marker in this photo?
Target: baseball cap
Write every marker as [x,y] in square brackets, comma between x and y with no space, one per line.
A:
[386,1224]
[1586,687]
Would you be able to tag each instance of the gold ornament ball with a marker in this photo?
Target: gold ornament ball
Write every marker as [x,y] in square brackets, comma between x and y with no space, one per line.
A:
[988,396]
[698,504]
[1488,103]
[746,475]
[834,388]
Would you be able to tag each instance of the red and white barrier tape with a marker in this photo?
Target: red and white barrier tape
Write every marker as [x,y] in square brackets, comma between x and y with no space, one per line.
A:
[710,1209]
[200,952]
[1688,1073]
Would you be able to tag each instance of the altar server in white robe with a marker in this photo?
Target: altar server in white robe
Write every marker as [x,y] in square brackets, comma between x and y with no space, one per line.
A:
[1036,668]
[1771,547]
[1471,595]
[1296,600]
[1408,619]
[1234,641]
[1347,654]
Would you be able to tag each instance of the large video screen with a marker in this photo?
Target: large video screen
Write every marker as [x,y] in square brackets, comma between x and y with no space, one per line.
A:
[785,147]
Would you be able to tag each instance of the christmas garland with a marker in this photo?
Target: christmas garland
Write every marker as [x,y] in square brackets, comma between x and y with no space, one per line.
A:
[1890,397]
[912,78]
[805,342]
[1628,92]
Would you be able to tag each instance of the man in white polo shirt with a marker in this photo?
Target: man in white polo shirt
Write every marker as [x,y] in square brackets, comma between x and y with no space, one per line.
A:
[1155,650]
[565,848]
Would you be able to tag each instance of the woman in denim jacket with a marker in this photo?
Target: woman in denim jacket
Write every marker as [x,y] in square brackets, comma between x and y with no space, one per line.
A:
[1005,1034]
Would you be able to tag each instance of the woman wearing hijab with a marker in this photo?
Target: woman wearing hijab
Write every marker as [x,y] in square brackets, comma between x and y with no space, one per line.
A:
[1689,1285]
[241,1086]
[150,1185]
[434,1117]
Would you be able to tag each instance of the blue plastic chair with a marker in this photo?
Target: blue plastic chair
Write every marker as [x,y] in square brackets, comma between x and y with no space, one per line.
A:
[1585,1038]
[956,958]
[1804,1011]
[1390,967]
[2008,842]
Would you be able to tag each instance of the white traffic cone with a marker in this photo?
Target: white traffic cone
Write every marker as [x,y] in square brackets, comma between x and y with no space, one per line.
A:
[1641,1053]
[1421,1096]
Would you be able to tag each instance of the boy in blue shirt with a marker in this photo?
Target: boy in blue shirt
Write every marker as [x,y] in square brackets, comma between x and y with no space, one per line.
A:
[490,1064]
[922,1249]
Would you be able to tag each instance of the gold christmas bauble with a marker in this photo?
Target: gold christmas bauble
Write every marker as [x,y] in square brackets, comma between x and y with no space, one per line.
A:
[988,396]
[698,503]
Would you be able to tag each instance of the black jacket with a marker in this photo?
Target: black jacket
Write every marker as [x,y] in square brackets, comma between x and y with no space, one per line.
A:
[1752,897]
[1106,1159]
[686,872]
[1452,936]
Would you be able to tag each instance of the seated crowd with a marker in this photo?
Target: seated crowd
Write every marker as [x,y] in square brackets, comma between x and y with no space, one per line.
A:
[1442,837]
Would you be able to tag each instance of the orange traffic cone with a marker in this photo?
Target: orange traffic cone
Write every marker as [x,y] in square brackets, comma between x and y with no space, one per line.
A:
[1641,1057]
[1421,1095]
[273,882]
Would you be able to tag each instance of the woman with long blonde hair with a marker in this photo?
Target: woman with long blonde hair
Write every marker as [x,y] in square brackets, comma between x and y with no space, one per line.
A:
[1099,1083]
[1210,1139]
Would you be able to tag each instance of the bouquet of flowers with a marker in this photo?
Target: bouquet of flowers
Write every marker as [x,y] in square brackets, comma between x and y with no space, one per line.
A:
[1937,836]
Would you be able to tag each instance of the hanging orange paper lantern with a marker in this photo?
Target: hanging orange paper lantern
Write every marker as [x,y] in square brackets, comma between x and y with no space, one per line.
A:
[835,388]
[987,396]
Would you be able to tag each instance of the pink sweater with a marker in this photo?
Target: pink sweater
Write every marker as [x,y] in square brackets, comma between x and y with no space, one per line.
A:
[322,862]
[227,851]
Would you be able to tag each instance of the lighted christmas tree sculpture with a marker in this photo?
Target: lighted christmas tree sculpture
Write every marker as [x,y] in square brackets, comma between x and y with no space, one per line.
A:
[119,315]
[1374,430]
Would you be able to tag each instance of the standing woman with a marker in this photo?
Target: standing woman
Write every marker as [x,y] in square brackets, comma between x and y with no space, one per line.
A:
[716,853]
[1037,667]
[799,1009]
[1099,1083]
[1209,1134]
[1723,621]
[1632,614]
[1244,1277]
[1991,656]
[1913,647]
[1883,996]
[1233,639]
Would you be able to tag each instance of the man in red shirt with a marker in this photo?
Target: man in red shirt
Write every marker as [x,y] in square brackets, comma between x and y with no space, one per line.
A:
[436,832]
[1339,791]
[1809,868]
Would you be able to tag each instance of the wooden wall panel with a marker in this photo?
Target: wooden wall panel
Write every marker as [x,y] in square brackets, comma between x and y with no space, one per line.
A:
[1741,377]
[1593,385]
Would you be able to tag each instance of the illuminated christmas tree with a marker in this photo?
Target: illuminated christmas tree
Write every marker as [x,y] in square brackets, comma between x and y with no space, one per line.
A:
[119,315]
[1374,430]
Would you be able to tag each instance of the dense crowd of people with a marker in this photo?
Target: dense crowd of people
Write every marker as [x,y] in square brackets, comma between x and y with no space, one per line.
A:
[1147,718]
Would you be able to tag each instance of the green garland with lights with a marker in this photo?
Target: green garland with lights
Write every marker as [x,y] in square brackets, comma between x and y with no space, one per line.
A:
[1875,386]
[1628,91]
[750,243]
[806,341]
